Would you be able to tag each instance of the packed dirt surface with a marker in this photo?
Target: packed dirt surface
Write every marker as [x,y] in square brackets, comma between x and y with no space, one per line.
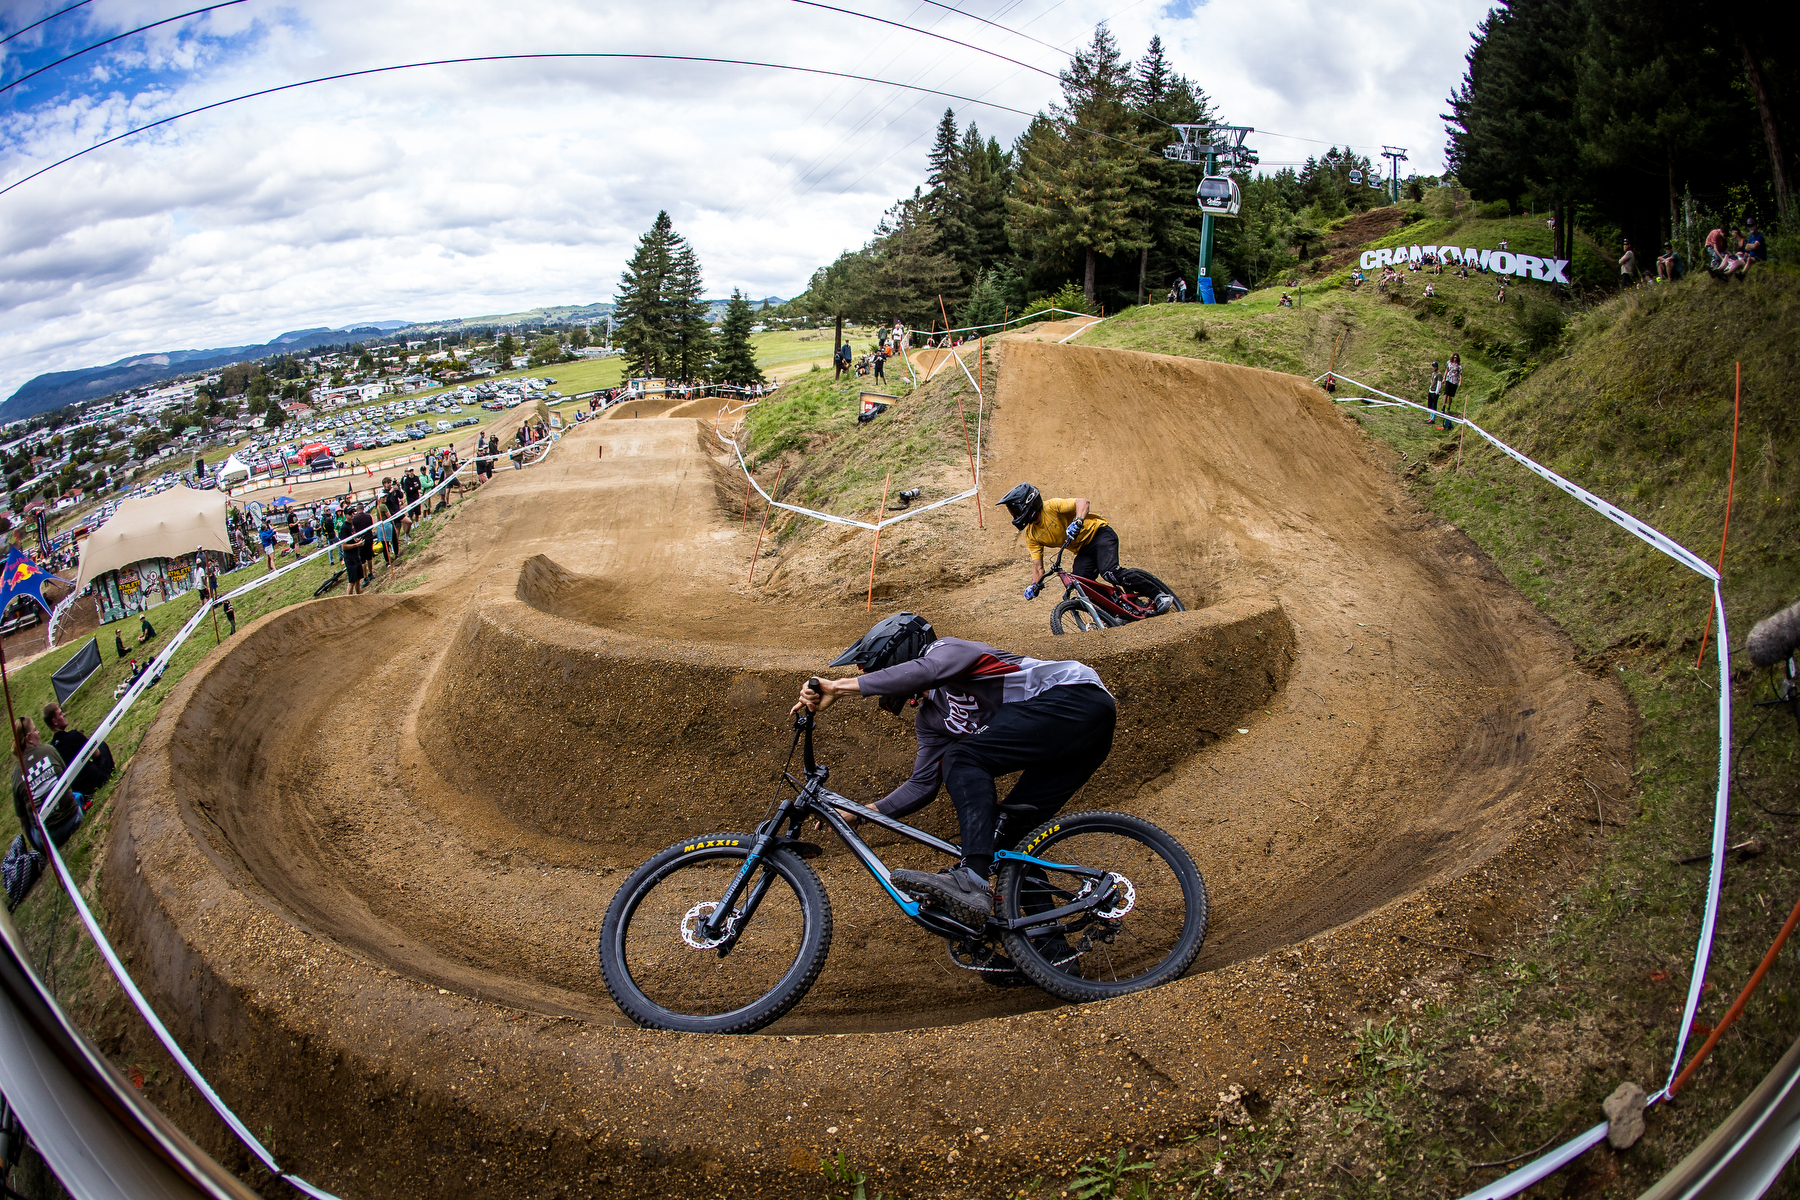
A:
[374,837]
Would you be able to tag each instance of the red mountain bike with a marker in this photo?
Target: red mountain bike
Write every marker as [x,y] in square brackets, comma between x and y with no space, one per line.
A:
[1091,604]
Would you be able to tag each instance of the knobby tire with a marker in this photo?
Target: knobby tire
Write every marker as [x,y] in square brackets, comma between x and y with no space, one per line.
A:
[1150,945]
[661,981]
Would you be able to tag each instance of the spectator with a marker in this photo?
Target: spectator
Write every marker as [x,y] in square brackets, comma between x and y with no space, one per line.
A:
[224,606]
[409,483]
[359,550]
[1181,289]
[266,536]
[385,534]
[1452,379]
[32,786]
[1628,266]
[1429,289]
[68,743]
[881,366]
[1755,244]
[146,631]
[119,641]
[1287,301]
[1666,271]
[1500,296]
[1432,392]
[1715,249]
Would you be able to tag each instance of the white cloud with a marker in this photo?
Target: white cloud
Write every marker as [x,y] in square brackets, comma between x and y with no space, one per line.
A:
[483,188]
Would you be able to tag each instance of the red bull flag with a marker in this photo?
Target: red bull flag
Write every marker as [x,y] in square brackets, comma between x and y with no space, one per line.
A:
[23,577]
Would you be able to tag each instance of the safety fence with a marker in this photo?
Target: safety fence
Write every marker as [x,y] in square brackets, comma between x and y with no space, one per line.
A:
[1548,1164]
[974,490]
[535,453]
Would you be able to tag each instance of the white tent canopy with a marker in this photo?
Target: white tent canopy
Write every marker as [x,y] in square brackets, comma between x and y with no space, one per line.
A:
[234,469]
[171,524]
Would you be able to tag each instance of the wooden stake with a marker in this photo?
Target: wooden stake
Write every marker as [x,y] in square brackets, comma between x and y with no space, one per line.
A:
[745,519]
[870,606]
[765,526]
[1460,430]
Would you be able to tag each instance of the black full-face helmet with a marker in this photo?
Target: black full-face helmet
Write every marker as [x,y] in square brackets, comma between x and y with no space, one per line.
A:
[893,640]
[1024,502]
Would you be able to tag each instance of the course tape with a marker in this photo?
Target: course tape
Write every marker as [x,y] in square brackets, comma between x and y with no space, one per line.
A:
[150,675]
[1554,1161]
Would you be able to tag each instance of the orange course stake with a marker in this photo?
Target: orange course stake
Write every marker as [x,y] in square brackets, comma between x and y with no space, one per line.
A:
[765,525]
[963,420]
[745,519]
[1737,1006]
[1730,484]
[870,606]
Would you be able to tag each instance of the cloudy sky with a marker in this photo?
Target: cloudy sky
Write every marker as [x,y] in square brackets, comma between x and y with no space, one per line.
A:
[482,188]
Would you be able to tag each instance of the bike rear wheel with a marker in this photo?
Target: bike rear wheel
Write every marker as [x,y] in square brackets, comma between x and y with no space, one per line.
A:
[1149,934]
[664,973]
[1160,586]
[1078,614]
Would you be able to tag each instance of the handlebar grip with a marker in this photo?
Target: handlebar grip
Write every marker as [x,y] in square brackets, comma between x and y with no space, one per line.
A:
[815,685]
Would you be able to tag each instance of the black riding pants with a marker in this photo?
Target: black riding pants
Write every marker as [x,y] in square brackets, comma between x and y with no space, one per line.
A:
[1057,740]
[1099,559]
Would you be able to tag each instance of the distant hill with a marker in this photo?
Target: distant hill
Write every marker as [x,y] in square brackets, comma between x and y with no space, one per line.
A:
[55,389]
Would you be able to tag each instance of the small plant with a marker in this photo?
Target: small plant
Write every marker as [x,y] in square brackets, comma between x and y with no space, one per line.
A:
[1097,1179]
[841,1173]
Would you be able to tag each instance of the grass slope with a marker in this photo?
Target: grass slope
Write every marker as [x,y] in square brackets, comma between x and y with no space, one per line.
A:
[1634,403]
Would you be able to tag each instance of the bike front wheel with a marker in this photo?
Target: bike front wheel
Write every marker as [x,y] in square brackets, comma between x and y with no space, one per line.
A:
[665,972]
[1148,934]
[1076,613]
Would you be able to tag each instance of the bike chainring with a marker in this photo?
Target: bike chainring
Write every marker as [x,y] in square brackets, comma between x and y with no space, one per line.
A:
[987,959]
[695,917]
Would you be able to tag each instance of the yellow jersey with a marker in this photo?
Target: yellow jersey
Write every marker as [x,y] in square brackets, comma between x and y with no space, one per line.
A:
[1053,523]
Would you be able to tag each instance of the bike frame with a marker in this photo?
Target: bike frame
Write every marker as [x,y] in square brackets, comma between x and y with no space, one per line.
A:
[814,799]
[1097,593]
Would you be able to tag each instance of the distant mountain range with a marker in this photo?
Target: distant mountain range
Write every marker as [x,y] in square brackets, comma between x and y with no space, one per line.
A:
[55,389]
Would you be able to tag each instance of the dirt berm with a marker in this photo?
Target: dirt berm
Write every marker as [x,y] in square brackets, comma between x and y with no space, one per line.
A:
[363,855]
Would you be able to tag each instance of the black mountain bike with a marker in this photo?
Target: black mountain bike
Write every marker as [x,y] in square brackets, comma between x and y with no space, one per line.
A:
[725,933]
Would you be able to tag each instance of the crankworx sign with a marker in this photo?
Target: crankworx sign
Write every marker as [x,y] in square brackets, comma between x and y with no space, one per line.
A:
[1500,262]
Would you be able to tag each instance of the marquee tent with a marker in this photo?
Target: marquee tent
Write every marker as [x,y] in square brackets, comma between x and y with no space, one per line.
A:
[168,525]
[235,470]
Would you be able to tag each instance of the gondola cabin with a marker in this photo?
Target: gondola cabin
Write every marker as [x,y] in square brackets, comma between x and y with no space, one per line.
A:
[1220,196]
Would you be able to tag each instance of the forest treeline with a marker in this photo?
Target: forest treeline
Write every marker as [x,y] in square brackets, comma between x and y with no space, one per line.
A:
[1647,119]
[1640,116]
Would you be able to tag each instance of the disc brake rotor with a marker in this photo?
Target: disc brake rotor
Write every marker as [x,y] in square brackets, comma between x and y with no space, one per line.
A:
[1124,898]
[695,917]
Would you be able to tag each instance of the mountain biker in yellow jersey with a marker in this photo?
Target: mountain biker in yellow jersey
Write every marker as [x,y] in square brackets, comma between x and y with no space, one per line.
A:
[982,712]
[1053,523]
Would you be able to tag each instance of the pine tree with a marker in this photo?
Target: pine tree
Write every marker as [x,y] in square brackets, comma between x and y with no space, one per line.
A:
[986,176]
[690,327]
[737,358]
[1168,210]
[641,307]
[910,270]
[1081,171]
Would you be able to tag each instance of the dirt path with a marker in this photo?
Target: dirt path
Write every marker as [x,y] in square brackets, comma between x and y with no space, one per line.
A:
[442,790]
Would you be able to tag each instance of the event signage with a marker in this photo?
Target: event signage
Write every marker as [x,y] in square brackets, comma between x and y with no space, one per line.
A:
[1500,262]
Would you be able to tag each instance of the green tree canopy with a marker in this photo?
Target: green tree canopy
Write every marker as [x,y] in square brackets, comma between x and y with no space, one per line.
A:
[736,361]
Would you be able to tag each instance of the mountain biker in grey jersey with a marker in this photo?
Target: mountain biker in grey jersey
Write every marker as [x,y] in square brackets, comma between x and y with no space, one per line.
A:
[983,712]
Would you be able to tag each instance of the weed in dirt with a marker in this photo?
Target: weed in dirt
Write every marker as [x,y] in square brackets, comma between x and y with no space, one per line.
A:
[845,1179]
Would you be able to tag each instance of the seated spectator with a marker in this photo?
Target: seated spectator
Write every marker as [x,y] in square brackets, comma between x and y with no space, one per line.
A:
[1429,290]
[68,742]
[146,631]
[1462,270]
[1500,296]
[1287,301]
[1666,266]
[1715,249]
[1755,244]
[1330,382]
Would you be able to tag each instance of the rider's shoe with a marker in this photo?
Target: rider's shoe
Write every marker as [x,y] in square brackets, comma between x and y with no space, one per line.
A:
[1164,602]
[958,890]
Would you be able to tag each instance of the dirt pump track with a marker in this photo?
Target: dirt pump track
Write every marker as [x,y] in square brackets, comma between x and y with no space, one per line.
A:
[366,848]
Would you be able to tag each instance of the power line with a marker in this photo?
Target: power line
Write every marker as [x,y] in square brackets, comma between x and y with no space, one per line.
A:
[940,36]
[447,62]
[961,13]
[109,41]
[78,3]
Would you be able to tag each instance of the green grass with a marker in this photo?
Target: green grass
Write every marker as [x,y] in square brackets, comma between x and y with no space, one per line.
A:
[47,920]
[1635,403]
